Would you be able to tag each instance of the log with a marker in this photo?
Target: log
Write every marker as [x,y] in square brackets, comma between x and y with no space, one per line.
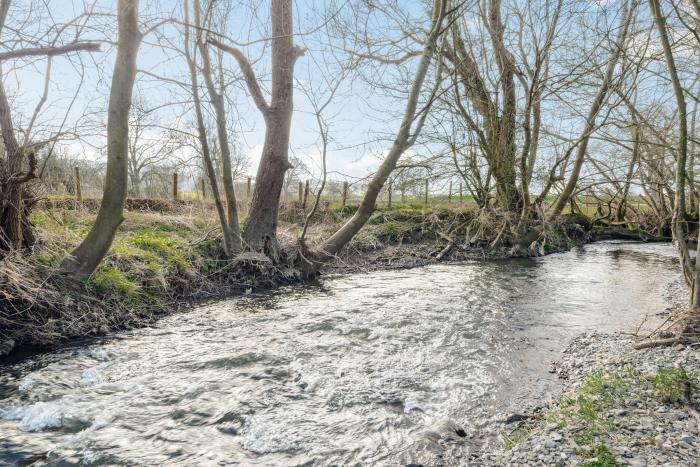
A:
[658,343]
[621,233]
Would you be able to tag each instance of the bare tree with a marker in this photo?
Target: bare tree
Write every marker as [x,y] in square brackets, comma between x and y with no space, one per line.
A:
[217,100]
[261,223]
[689,266]
[19,164]
[149,145]
[409,130]
[88,255]
[596,106]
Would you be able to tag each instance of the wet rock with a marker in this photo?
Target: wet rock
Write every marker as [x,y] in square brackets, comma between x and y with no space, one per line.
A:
[6,347]
[516,417]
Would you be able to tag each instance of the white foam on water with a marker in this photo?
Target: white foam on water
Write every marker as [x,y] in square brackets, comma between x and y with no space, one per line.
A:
[92,376]
[98,353]
[26,385]
[90,457]
[58,413]
[263,436]
[36,417]
[101,421]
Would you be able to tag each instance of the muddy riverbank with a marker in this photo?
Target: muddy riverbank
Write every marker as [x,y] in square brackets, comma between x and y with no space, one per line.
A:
[164,262]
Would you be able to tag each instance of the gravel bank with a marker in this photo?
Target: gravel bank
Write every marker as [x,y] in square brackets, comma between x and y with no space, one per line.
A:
[619,406]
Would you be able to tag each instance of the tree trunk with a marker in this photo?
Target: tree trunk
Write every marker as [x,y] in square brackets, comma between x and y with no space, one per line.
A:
[87,256]
[12,207]
[260,230]
[204,143]
[404,140]
[217,100]
[690,267]
[504,145]
[261,224]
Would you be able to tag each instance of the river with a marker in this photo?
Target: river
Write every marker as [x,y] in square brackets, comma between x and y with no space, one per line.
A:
[354,370]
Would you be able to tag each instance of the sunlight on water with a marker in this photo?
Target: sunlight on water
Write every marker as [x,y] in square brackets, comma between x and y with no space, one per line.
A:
[365,368]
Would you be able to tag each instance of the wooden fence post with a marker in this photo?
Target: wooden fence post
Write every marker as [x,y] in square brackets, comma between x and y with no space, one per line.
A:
[76,176]
[345,193]
[175,186]
[426,191]
[301,193]
[460,193]
[390,183]
[449,194]
[306,194]
[250,184]
[204,189]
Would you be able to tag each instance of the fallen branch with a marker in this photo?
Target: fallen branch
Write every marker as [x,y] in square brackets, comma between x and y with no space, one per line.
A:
[658,343]
[445,250]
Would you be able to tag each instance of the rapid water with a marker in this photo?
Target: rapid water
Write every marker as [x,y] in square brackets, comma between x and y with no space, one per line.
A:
[363,370]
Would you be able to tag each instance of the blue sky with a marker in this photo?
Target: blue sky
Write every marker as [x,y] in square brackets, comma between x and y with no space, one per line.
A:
[360,116]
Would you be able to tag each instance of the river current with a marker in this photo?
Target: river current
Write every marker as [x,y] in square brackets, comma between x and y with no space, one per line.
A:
[354,370]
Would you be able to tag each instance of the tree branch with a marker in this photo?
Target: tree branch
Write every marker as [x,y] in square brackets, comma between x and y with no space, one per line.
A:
[50,51]
[248,73]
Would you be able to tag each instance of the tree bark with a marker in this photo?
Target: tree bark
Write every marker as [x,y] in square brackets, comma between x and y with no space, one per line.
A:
[260,229]
[204,143]
[88,255]
[690,267]
[217,101]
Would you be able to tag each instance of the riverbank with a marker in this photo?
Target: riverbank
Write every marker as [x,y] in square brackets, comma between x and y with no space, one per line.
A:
[168,256]
[619,406]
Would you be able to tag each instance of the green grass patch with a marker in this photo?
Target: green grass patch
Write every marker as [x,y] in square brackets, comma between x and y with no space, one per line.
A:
[517,436]
[598,456]
[673,385]
[110,281]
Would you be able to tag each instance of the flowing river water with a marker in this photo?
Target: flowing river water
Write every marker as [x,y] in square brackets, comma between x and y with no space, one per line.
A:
[362,369]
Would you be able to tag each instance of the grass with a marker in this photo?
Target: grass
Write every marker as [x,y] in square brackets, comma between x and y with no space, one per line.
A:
[112,281]
[674,385]
[515,437]
[598,456]
[585,412]
[150,250]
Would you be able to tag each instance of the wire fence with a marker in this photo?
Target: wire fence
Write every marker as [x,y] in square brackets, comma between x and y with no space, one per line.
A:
[297,193]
